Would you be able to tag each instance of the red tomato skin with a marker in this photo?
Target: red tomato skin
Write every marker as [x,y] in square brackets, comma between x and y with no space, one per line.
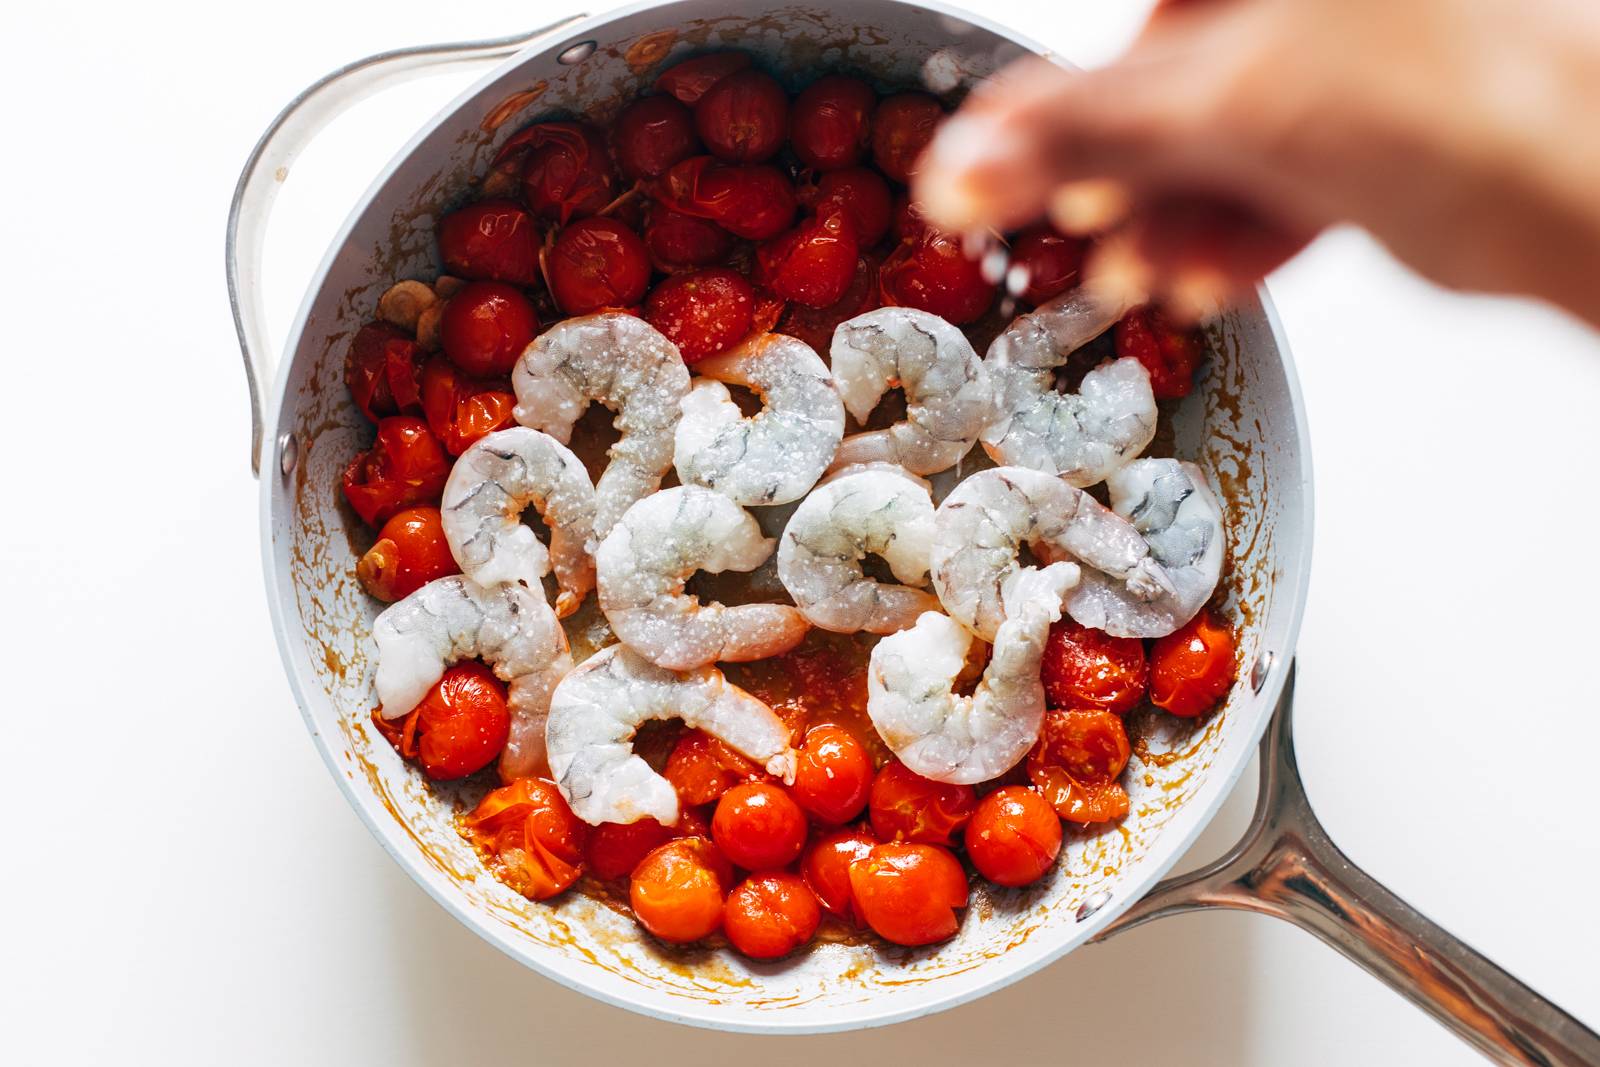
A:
[743,118]
[833,775]
[1014,836]
[1085,668]
[462,723]
[904,806]
[909,893]
[826,869]
[815,326]
[409,553]
[527,827]
[597,263]
[652,134]
[382,369]
[1193,667]
[1053,261]
[1169,353]
[932,273]
[703,312]
[1077,763]
[564,169]
[770,915]
[689,81]
[406,467]
[864,196]
[679,242]
[701,768]
[460,408]
[491,240]
[814,263]
[615,849]
[485,326]
[754,202]
[677,890]
[902,126]
[759,827]
[830,123]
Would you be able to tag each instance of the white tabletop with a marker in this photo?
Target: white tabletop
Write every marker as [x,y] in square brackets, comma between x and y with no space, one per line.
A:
[186,885]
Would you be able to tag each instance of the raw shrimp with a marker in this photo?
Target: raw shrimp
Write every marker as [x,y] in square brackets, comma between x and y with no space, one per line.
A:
[493,481]
[876,510]
[599,706]
[964,739]
[982,525]
[643,564]
[510,627]
[1173,508]
[949,397]
[625,364]
[1082,436]
[776,455]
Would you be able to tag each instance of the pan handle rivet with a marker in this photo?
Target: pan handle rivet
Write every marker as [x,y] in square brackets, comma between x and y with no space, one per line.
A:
[288,452]
[1093,904]
[1260,672]
[574,54]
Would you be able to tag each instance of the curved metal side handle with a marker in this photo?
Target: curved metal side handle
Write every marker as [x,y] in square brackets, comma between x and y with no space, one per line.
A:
[1286,866]
[268,166]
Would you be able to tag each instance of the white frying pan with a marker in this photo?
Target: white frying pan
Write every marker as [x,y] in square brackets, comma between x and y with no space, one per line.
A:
[1244,424]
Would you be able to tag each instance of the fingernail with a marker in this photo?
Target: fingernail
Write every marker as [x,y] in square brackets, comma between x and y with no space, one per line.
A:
[1088,207]
[1117,274]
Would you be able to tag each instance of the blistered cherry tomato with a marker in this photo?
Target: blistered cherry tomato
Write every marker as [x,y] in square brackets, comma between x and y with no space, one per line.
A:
[744,117]
[485,326]
[461,408]
[677,890]
[1084,668]
[702,312]
[689,80]
[909,893]
[758,826]
[382,371]
[564,169]
[1076,764]
[902,126]
[652,134]
[597,263]
[826,869]
[614,849]
[533,837]
[458,728]
[770,915]
[404,468]
[678,242]
[1050,261]
[815,326]
[492,240]
[1192,668]
[702,768]
[908,807]
[832,775]
[812,264]
[862,193]
[932,273]
[1014,836]
[754,202]
[409,553]
[906,220]
[1168,352]
[829,125]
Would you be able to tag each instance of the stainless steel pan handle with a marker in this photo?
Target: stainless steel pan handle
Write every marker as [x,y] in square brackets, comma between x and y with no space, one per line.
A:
[268,166]
[1286,866]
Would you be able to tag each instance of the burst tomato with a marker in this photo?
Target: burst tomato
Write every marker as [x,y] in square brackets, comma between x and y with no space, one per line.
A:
[1168,352]
[1192,668]
[485,326]
[908,807]
[815,326]
[753,202]
[702,768]
[564,169]
[702,312]
[652,134]
[409,553]
[528,830]
[405,467]
[931,272]
[614,849]
[833,774]
[830,122]
[814,263]
[826,869]
[688,81]
[1076,764]
[1048,260]
[1090,668]
[909,893]
[461,408]
[759,827]
[902,126]
[862,193]
[743,118]
[1014,836]
[492,240]
[382,370]
[677,889]
[597,263]
[770,915]
[458,728]
[679,242]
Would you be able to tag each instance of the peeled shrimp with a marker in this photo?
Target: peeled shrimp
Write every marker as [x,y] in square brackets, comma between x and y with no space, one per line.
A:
[627,365]
[776,455]
[883,512]
[642,566]
[455,618]
[1081,436]
[964,739]
[949,397]
[596,710]
[982,525]
[494,480]
[1178,516]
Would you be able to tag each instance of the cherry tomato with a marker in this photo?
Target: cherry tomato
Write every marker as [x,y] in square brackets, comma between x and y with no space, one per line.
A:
[689,80]
[862,193]
[461,408]
[529,830]
[753,202]
[744,117]
[1051,261]
[404,468]
[829,125]
[410,552]
[597,263]
[902,126]
[907,222]
[826,869]
[652,134]
[679,242]
[702,768]
[833,774]
[702,312]
[492,240]
[909,893]
[1014,836]
[815,326]
[458,728]
[814,263]
[1192,668]
[1084,668]
[1169,353]
[485,326]
[759,826]
[931,272]
[677,889]
[1076,764]
[770,915]
[908,807]
[382,371]
[564,169]
[614,849]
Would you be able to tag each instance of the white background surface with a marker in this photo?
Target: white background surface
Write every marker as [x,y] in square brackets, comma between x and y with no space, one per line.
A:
[183,882]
